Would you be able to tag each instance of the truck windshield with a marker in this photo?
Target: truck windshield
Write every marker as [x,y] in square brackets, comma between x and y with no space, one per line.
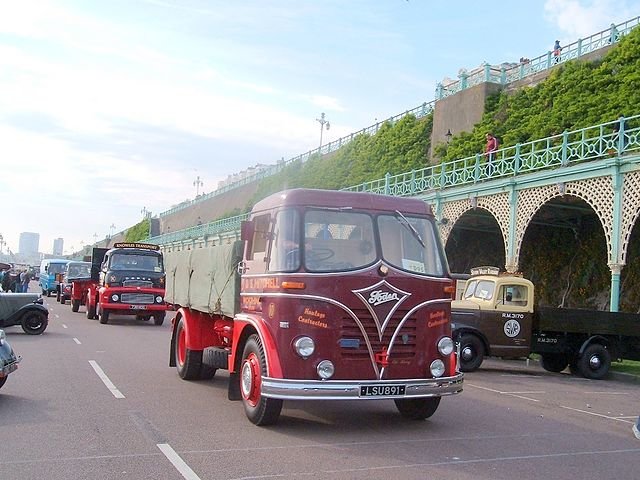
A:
[78,271]
[56,268]
[410,243]
[482,289]
[132,261]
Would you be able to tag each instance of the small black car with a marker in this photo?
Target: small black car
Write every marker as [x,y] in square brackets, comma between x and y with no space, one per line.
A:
[8,359]
[24,309]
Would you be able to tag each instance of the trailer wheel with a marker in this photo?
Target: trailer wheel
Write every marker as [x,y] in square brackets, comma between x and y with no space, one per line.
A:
[471,352]
[595,362]
[75,305]
[259,410]
[34,322]
[554,362]
[158,318]
[91,311]
[417,408]
[103,316]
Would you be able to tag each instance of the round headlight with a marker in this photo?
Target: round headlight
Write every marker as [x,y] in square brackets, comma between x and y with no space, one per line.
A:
[115,297]
[325,369]
[437,368]
[445,346]
[304,346]
[158,299]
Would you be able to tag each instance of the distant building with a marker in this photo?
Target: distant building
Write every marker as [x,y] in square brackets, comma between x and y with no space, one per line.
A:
[29,243]
[58,246]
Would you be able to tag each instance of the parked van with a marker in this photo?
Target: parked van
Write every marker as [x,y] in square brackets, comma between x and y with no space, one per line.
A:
[48,270]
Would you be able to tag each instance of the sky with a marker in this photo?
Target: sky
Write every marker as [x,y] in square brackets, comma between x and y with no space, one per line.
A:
[111,109]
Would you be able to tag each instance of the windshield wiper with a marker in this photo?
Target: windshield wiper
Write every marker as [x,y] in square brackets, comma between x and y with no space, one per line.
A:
[409,227]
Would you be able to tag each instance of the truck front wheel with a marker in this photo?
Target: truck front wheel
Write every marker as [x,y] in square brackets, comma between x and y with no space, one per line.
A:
[103,316]
[75,305]
[259,410]
[594,362]
[471,352]
[554,362]
[417,408]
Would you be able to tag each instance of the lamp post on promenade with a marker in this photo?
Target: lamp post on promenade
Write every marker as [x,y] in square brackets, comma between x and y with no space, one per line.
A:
[198,183]
[322,121]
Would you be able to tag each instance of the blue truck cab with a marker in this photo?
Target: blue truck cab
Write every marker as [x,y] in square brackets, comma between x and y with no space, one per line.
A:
[49,268]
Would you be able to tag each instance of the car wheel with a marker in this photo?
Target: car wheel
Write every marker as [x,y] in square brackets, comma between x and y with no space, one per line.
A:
[75,305]
[595,362]
[471,352]
[259,410]
[417,408]
[34,322]
[103,316]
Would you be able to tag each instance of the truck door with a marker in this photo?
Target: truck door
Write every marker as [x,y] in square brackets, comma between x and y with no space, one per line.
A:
[512,320]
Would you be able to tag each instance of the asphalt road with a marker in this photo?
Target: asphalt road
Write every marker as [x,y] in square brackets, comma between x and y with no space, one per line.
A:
[93,401]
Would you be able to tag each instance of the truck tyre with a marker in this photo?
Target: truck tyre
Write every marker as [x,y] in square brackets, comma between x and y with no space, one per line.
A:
[63,300]
[75,305]
[554,362]
[417,408]
[103,316]
[259,410]
[34,322]
[595,362]
[471,352]
[91,311]
[58,295]
[158,318]
[189,362]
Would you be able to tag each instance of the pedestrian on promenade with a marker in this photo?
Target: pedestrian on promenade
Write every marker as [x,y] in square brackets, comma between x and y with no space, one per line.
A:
[636,428]
[556,51]
[25,279]
[491,147]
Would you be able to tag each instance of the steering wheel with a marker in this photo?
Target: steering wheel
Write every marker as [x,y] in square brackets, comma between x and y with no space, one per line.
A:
[319,254]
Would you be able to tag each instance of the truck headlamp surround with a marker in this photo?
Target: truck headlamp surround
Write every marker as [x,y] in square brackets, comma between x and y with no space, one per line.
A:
[437,368]
[304,346]
[115,297]
[325,369]
[445,346]
[159,299]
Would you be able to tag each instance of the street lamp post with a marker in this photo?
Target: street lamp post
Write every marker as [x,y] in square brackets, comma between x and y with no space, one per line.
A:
[198,183]
[322,121]
[112,227]
[145,213]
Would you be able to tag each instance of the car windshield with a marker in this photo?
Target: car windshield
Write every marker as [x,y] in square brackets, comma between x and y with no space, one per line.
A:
[133,261]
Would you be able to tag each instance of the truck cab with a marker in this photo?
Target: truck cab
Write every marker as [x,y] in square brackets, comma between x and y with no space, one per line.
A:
[74,271]
[130,280]
[50,268]
[493,317]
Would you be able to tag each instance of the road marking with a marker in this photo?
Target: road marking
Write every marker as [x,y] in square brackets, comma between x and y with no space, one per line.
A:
[618,419]
[177,462]
[77,341]
[103,376]
[64,325]
[56,315]
[505,393]
[608,393]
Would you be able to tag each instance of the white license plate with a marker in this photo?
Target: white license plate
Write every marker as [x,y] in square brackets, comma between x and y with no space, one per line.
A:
[138,307]
[381,390]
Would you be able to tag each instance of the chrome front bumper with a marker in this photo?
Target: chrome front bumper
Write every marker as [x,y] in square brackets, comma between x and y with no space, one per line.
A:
[10,367]
[350,389]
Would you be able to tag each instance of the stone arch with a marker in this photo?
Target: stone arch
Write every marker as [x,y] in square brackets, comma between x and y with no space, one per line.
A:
[597,192]
[630,211]
[497,205]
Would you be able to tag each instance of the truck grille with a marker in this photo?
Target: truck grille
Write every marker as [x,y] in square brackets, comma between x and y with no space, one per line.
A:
[137,283]
[139,298]
[405,343]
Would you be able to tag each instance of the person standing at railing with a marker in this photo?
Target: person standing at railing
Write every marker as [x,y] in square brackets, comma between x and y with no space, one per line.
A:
[491,147]
[556,51]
